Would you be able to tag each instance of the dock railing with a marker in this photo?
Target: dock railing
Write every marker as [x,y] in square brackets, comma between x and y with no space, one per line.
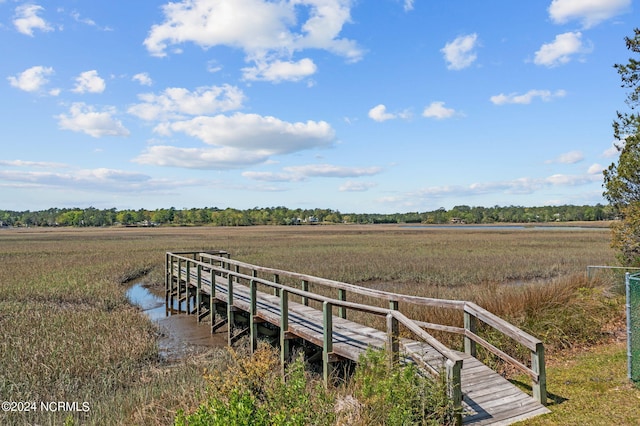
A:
[219,263]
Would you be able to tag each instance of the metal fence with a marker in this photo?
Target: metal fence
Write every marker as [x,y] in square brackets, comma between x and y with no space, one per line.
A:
[632,284]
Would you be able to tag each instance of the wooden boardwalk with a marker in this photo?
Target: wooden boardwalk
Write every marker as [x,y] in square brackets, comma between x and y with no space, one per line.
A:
[484,395]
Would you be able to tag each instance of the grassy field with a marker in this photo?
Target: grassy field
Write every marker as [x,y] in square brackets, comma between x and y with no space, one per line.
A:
[67,332]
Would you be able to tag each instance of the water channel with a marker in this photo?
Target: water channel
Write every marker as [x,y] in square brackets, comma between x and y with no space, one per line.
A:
[180,335]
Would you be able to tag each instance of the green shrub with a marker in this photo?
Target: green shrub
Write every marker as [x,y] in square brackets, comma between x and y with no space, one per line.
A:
[400,395]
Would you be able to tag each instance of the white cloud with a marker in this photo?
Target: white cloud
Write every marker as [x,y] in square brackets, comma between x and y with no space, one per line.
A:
[571,157]
[32,79]
[83,118]
[237,140]
[560,51]
[408,5]
[438,111]
[26,19]
[269,35]
[589,12]
[38,164]
[277,71]
[595,169]
[143,78]
[351,186]
[256,133]
[527,98]
[301,173]
[89,81]
[379,113]
[200,158]
[100,179]
[175,102]
[328,170]
[272,177]
[611,152]
[88,21]
[459,53]
[518,186]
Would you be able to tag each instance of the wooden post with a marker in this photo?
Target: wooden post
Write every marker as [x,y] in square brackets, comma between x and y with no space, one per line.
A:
[230,318]
[470,323]
[253,323]
[305,287]
[169,296]
[167,279]
[198,290]
[454,387]
[284,328]
[342,295]
[537,365]
[179,285]
[276,279]
[327,341]
[393,336]
[212,300]
[187,289]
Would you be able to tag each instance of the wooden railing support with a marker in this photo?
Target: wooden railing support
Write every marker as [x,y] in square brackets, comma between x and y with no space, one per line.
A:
[179,285]
[230,309]
[342,295]
[198,288]
[168,297]
[454,386]
[253,323]
[393,336]
[470,324]
[537,365]
[305,287]
[284,328]
[186,287]
[213,306]
[327,342]
[276,279]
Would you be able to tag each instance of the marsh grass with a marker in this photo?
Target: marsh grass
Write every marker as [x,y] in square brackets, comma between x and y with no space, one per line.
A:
[67,332]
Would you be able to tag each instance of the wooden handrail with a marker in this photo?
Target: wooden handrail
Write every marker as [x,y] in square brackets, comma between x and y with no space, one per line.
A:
[406,321]
[384,295]
[472,312]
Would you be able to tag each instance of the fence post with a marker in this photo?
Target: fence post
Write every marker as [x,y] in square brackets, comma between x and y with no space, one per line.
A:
[393,336]
[470,324]
[212,299]
[627,289]
[537,365]
[186,287]
[327,341]
[179,285]
[230,318]
[276,279]
[342,295]
[284,327]
[198,288]
[253,323]
[305,287]
[169,295]
[454,386]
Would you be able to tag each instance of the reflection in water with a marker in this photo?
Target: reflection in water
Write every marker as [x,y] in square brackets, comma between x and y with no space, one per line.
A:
[180,334]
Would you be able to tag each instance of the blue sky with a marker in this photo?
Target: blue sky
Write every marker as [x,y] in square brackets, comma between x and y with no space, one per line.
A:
[355,105]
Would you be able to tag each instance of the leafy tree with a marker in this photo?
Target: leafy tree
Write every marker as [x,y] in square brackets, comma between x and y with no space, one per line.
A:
[622,180]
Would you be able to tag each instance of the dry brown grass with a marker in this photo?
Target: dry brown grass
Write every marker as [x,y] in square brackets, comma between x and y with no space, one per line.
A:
[67,332]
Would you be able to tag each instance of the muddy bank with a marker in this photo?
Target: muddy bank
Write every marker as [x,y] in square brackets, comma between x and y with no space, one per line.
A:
[180,334]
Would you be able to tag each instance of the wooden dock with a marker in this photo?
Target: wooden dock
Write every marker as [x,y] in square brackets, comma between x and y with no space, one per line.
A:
[256,300]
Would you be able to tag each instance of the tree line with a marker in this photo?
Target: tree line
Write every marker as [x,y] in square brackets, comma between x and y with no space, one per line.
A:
[284,216]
